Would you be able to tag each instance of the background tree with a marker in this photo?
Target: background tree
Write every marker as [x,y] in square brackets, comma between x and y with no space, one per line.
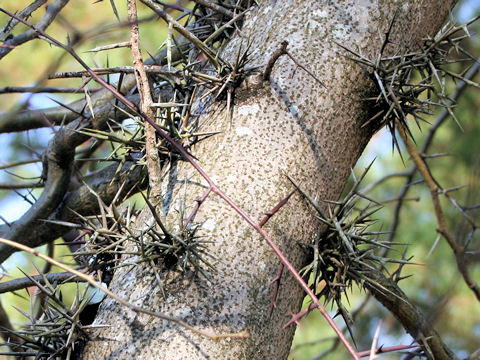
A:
[252,109]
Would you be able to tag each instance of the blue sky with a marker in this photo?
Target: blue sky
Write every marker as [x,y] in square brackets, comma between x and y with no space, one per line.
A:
[468,9]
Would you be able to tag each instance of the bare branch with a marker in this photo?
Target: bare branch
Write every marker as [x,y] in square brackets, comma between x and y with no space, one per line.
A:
[6,325]
[441,118]
[209,53]
[58,166]
[20,185]
[387,292]
[41,89]
[153,69]
[143,85]
[17,284]
[217,8]
[45,21]
[18,163]
[24,14]
[106,184]
[457,249]
[103,99]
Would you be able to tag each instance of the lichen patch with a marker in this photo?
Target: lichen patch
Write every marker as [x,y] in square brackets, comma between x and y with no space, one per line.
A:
[248,110]
[243,131]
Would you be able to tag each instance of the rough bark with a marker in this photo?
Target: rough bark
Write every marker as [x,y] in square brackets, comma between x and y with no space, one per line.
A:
[288,125]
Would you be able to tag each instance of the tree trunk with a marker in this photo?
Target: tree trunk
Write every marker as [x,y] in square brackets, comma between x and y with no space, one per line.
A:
[291,125]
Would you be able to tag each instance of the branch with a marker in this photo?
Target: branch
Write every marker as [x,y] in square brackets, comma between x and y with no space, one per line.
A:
[215,7]
[45,21]
[20,185]
[106,184]
[153,69]
[457,249]
[6,326]
[387,292]
[42,89]
[441,118]
[18,284]
[405,311]
[143,85]
[101,100]
[58,166]
[209,53]
[24,14]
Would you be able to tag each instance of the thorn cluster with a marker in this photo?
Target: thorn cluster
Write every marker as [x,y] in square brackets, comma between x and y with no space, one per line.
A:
[55,327]
[347,251]
[409,84]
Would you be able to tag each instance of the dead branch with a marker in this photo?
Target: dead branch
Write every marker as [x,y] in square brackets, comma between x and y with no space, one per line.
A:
[18,284]
[107,183]
[457,249]
[143,85]
[52,11]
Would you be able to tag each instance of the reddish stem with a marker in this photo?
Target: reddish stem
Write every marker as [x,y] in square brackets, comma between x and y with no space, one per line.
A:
[383,350]
[276,281]
[296,317]
[199,202]
[276,208]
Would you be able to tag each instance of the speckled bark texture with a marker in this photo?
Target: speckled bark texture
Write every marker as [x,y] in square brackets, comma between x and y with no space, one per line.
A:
[289,125]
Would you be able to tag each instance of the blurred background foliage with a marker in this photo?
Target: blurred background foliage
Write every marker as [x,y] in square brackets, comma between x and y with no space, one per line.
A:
[435,285]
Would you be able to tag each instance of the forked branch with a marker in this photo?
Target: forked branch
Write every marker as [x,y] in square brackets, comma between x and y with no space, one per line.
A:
[458,250]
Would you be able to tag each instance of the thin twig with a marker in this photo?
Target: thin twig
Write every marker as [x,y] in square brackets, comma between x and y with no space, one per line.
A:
[217,8]
[110,46]
[18,163]
[41,89]
[199,202]
[52,11]
[276,289]
[457,249]
[277,207]
[153,69]
[24,14]
[209,53]
[273,59]
[278,277]
[152,158]
[283,51]
[387,349]
[23,185]
[17,284]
